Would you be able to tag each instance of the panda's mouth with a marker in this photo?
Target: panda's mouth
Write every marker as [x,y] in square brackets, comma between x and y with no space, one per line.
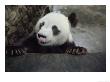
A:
[42,42]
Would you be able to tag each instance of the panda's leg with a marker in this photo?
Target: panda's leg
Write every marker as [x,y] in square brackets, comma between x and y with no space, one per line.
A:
[73,49]
[19,48]
[12,50]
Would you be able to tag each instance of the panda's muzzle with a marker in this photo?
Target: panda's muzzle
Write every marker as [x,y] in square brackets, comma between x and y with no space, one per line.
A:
[41,36]
[42,39]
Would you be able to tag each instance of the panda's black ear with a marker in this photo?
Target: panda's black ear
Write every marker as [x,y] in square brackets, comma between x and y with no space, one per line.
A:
[47,10]
[73,19]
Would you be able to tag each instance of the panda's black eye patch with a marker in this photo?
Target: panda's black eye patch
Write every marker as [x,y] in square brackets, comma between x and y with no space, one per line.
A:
[55,30]
[41,24]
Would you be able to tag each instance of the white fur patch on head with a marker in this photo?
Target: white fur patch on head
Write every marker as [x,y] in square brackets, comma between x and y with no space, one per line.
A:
[61,29]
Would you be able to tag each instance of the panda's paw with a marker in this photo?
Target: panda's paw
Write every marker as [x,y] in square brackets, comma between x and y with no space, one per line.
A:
[14,51]
[76,51]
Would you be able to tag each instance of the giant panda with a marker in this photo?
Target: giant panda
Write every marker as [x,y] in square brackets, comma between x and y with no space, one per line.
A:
[52,34]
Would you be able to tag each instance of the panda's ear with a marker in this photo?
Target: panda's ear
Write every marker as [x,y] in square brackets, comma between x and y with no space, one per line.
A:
[47,10]
[73,19]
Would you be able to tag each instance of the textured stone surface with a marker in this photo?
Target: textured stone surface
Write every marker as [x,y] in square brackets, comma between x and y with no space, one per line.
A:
[95,62]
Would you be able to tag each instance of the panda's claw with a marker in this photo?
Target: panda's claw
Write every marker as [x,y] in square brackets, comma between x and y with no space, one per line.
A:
[77,51]
[22,51]
[19,53]
[14,51]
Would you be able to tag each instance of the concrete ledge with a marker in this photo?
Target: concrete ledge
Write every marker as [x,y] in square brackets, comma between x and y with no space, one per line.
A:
[95,62]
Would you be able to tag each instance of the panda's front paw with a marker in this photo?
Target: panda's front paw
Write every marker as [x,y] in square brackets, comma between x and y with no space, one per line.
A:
[76,51]
[14,51]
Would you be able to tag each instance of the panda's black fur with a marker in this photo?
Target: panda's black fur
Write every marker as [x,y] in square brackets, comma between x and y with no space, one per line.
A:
[31,45]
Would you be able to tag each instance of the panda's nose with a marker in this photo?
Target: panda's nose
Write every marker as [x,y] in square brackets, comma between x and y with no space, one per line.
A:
[40,35]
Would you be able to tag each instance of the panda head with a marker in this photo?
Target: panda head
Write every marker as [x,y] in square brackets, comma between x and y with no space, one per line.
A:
[53,29]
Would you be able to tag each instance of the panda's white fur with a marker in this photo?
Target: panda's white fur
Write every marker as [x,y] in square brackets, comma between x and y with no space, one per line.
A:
[61,21]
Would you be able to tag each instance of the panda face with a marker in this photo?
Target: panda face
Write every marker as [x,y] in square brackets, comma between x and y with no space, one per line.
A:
[52,29]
